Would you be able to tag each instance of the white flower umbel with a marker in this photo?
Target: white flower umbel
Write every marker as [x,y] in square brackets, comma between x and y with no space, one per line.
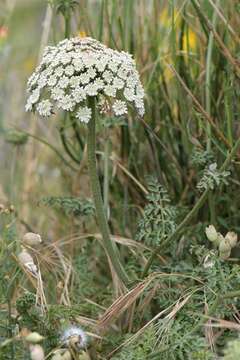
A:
[78,69]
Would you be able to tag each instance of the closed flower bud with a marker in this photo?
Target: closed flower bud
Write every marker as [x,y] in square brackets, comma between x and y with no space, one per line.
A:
[34,338]
[211,233]
[220,238]
[31,239]
[36,352]
[224,249]
[231,238]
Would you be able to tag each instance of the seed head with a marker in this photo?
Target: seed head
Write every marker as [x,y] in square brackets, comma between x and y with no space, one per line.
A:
[31,239]
[74,337]
[27,262]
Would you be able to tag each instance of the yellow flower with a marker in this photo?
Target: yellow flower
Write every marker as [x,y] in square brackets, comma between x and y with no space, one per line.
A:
[82,34]
[29,64]
[189,40]
[166,18]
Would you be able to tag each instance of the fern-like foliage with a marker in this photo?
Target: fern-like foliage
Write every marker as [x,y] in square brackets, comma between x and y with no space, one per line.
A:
[201,158]
[159,218]
[70,205]
[232,351]
[212,178]
[140,349]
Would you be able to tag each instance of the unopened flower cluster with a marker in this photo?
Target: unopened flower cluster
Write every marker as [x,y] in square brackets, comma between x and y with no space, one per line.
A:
[79,68]
[223,243]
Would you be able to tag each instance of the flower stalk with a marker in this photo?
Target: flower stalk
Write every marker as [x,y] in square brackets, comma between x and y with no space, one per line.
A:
[97,197]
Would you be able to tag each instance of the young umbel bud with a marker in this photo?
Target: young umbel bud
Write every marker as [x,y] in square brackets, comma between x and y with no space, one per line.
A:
[31,239]
[224,249]
[81,68]
[231,238]
[211,233]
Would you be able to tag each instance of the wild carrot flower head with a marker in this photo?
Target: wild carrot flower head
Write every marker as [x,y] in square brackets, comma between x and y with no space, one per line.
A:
[79,68]
[74,333]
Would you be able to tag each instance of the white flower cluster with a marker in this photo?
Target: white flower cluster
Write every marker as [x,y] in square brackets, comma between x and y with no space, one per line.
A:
[78,68]
[74,332]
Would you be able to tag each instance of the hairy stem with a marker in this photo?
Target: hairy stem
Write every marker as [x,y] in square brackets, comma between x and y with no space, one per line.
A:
[110,247]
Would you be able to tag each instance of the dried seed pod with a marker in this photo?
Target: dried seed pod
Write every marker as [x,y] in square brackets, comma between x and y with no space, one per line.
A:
[34,338]
[27,261]
[232,238]
[36,352]
[211,233]
[31,239]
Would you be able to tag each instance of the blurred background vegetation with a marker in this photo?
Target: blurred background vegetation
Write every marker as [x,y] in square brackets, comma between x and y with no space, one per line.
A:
[187,53]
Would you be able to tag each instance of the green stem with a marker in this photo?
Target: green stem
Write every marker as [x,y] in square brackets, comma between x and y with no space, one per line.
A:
[67,18]
[57,152]
[66,147]
[208,78]
[110,247]
[193,212]
[208,107]
[227,102]
[106,173]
